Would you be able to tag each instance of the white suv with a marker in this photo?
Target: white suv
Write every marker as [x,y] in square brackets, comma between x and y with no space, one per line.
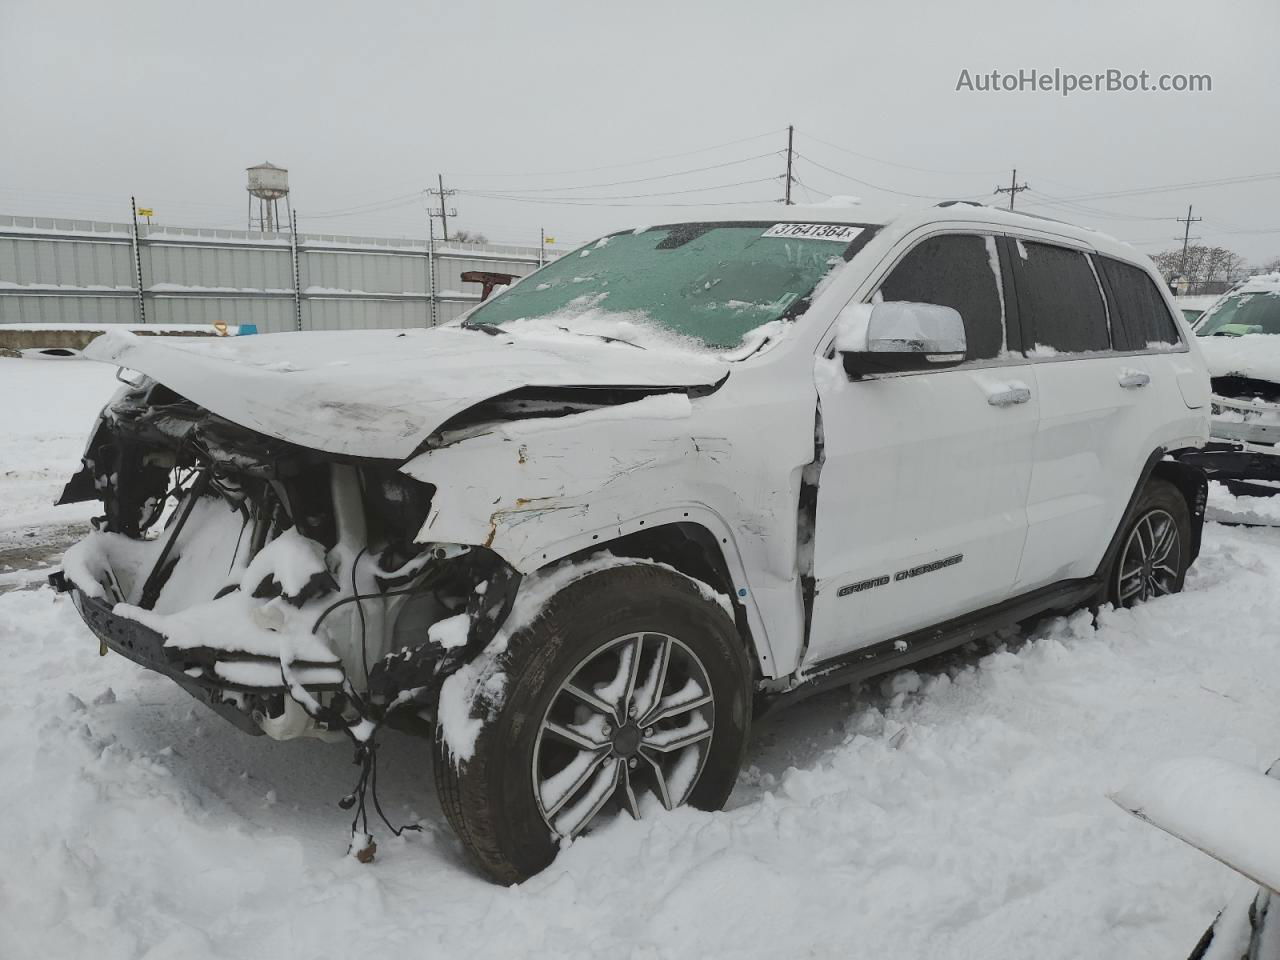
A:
[683,474]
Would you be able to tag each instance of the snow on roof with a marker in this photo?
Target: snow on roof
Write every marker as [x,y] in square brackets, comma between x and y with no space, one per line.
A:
[1259,283]
[906,217]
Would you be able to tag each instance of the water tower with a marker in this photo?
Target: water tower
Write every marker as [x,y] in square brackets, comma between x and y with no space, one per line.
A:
[269,184]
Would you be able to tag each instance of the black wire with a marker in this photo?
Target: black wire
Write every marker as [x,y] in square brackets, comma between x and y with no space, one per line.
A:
[359,792]
[366,750]
[414,588]
[396,831]
[235,554]
[355,592]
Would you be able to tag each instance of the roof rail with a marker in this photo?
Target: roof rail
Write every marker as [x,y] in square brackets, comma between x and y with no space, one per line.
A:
[1020,213]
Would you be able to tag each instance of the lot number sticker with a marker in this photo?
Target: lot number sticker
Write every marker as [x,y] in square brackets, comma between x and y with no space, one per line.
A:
[841,233]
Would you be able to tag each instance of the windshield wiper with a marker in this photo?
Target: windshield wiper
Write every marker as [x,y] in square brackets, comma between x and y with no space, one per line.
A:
[602,336]
[492,329]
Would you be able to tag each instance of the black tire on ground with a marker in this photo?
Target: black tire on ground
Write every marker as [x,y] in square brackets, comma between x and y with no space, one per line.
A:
[489,799]
[1159,500]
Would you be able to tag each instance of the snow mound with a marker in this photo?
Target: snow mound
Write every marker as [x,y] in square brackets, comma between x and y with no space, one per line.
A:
[969,820]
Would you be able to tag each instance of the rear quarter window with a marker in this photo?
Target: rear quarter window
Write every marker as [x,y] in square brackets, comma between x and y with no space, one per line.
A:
[1059,302]
[1140,319]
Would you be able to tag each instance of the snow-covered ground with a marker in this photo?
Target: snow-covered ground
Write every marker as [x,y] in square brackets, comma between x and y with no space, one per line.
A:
[49,407]
[957,812]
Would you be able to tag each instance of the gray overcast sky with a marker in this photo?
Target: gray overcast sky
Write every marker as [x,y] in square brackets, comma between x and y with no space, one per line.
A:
[365,102]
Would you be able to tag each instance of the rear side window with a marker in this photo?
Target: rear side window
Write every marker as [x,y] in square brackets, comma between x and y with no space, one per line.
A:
[1139,317]
[1059,302]
[960,271]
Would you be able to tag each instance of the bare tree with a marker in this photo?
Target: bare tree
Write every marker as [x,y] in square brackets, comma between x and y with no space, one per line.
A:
[469,236]
[1206,269]
[1168,262]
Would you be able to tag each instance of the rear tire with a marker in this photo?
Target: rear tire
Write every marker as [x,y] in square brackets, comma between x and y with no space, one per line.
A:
[1155,547]
[563,751]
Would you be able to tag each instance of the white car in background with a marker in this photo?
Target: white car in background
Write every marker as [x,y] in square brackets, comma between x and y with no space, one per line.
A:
[1229,812]
[1240,338]
[681,475]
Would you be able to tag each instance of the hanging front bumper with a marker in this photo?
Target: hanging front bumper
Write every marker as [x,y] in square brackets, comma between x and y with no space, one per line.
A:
[197,670]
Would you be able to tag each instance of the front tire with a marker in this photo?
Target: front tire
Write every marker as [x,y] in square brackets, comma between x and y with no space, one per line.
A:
[630,684]
[1155,547]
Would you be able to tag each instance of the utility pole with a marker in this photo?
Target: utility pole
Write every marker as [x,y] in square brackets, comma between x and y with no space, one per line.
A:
[791,132]
[137,262]
[297,276]
[1013,189]
[1186,239]
[444,213]
[542,245]
[432,317]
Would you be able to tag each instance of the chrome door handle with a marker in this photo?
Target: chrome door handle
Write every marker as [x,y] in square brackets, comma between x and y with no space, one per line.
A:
[1009,396]
[1132,379]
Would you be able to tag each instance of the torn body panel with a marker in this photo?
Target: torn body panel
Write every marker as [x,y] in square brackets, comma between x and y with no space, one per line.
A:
[537,490]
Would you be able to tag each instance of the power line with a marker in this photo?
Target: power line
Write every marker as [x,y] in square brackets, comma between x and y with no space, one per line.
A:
[620,183]
[904,166]
[864,183]
[1262,230]
[807,189]
[630,163]
[634,196]
[1037,197]
[577,202]
[1190,185]
[390,203]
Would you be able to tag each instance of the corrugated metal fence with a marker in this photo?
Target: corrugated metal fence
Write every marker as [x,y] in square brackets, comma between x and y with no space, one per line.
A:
[84,271]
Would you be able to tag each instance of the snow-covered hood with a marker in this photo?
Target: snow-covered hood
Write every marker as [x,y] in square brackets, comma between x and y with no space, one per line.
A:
[1255,355]
[380,393]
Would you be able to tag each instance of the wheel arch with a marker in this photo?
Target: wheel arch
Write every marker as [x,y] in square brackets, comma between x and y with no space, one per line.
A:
[1189,480]
[1193,484]
[692,547]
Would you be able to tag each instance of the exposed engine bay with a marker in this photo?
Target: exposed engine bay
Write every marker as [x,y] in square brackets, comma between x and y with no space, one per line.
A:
[278,583]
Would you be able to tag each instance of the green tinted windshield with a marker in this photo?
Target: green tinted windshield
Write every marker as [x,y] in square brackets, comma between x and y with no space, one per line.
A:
[711,281]
[1242,313]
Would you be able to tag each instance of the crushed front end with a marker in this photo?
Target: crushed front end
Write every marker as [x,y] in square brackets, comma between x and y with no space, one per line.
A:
[1245,434]
[283,586]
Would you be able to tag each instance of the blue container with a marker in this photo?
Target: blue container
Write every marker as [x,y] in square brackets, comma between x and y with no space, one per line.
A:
[246,329]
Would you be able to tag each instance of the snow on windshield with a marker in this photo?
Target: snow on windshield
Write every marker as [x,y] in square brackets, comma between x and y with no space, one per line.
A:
[1253,309]
[588,315]
[701,285]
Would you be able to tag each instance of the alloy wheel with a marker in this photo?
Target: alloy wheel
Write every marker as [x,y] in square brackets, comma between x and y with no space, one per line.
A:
[1151,559]
[635,716]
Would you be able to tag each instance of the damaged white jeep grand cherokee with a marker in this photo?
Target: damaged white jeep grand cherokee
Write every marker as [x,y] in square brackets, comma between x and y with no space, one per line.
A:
[683,474]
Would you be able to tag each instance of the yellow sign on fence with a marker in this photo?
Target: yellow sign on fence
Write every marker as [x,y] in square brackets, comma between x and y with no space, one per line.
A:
[146,212]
